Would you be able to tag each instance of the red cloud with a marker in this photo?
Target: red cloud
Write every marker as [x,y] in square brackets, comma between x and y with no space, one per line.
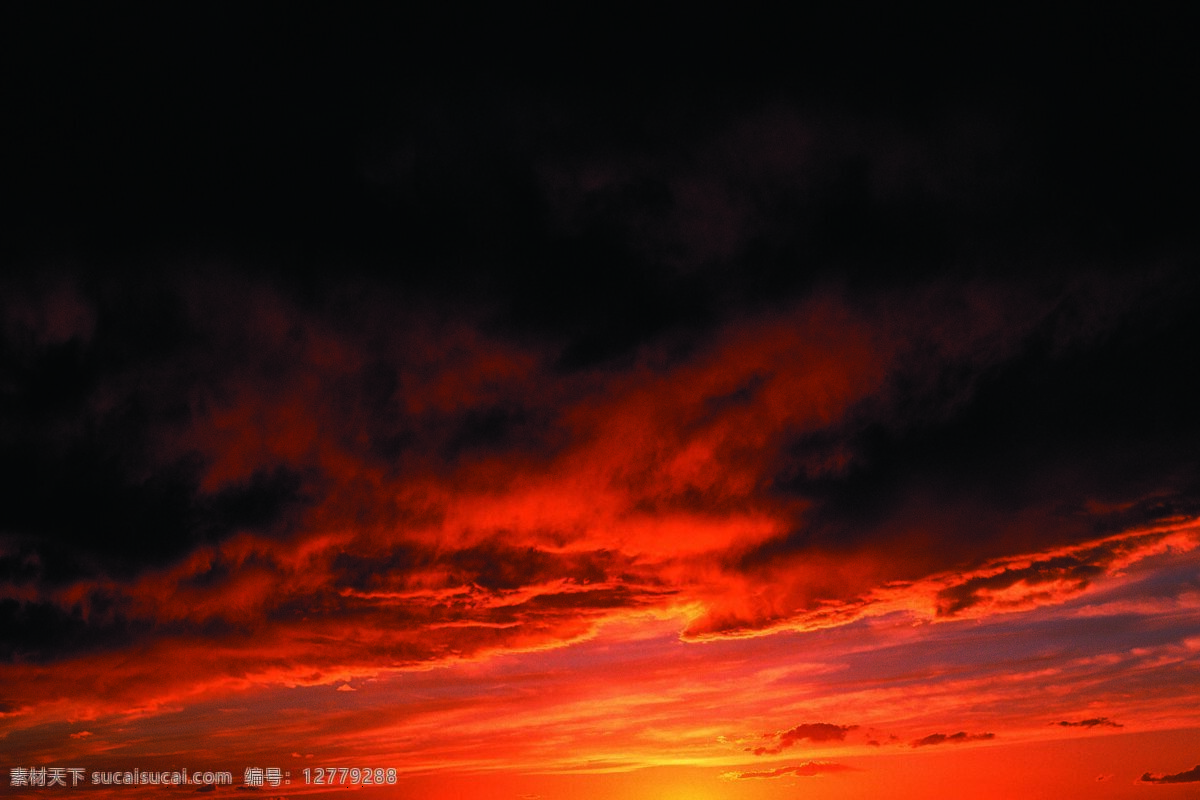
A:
[418,491]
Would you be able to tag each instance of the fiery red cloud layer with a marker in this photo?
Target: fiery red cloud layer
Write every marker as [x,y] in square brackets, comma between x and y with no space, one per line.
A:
[413,493]
[418,491]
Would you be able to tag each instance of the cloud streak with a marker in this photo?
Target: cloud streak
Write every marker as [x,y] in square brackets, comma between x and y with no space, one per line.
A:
[809,769]
[953,738]
[1095,722]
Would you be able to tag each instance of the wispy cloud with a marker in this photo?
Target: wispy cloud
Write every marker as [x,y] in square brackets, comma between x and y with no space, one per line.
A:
[809,769]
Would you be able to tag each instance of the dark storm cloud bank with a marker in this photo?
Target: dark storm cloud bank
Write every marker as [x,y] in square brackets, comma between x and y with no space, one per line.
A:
[600,214]
[603,201]
[1068,415]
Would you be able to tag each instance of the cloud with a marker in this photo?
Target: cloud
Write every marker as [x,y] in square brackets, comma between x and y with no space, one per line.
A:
[1190,776]
[1014,583]
[1065,574]
[1090,723]
[813,732]
[426,486]
[334,392]
[809,769]
[954,738]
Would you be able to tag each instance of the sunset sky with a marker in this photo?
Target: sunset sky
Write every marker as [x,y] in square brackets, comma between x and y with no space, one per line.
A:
[601,416]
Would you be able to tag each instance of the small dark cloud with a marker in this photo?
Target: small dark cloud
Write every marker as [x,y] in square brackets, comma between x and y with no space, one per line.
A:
[813,732]
[809,769]
[1191,776]
[1095,722]
[954,738]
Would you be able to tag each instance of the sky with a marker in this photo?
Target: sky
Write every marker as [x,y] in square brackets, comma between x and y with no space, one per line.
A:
[393,407]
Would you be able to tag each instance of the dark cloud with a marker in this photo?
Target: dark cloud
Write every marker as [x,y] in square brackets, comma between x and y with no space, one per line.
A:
[436,179]
[87,418]
[1095,722]
[813,732]
[1190,776]
[953,738]
[808,769]
[38,631]
[1034,418]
